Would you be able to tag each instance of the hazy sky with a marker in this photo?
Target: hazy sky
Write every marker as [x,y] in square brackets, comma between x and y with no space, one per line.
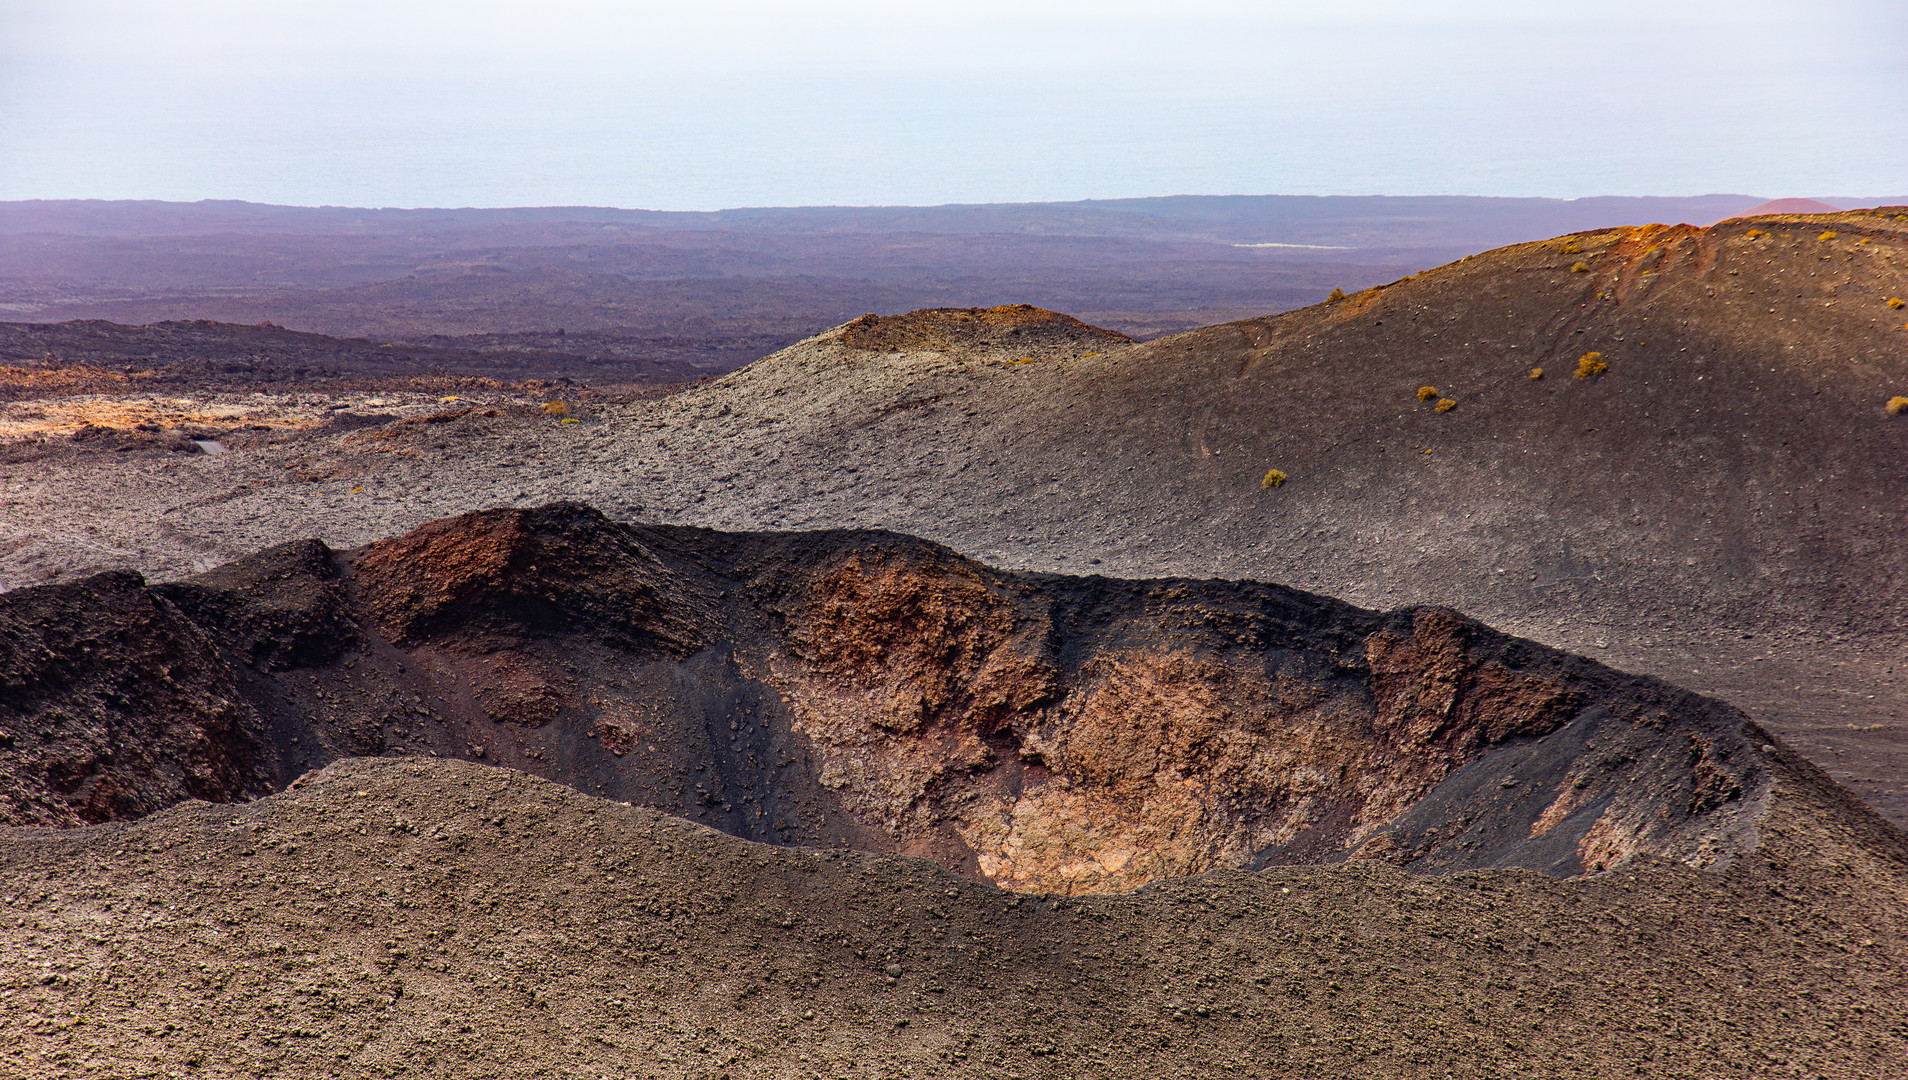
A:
[704,105]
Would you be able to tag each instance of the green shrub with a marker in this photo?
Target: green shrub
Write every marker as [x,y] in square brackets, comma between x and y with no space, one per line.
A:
[1272,479]
[1446,404]
[1590,365]
[1570,248]
[1827,234]
[1337,295]
[1426,393]
[1579,268]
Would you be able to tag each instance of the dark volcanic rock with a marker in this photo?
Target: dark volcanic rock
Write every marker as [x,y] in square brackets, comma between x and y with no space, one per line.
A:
[114,704]
[284,607]
[96,356]
[870,689]
[550,571]
[1718,508]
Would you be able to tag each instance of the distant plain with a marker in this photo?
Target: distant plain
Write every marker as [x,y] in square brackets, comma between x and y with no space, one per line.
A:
[646,296]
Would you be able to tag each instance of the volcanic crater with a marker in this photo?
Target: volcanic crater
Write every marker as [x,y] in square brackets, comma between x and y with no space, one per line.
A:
[866,689]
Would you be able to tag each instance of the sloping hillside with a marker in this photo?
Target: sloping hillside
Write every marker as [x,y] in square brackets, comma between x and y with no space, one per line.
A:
[1717,505]
[1731,460]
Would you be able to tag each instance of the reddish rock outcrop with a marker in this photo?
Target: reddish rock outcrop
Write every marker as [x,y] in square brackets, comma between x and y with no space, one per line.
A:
[476,580]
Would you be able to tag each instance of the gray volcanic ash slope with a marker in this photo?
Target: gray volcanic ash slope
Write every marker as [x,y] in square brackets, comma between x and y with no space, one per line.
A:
[1732,464]
[1718,506]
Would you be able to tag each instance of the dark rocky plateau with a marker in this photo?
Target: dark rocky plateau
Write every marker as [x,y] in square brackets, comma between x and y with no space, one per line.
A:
[644,296]
[201,356]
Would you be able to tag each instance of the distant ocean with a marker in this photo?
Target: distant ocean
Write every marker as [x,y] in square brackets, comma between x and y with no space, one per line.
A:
[1304,120]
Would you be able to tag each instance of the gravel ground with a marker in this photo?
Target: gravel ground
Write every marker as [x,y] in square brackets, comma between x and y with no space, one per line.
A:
[392,917]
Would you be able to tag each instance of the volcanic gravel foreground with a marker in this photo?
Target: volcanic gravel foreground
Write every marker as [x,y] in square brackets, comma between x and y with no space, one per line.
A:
[436,918]
[373,776]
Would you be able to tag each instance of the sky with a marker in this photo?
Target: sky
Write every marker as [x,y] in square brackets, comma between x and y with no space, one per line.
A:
[721,103]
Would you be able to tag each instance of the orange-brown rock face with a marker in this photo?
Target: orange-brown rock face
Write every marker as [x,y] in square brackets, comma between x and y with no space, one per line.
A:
[1436,708]
[1161,738]
[907,679]
[1044,733]
[415,580]
[473,577]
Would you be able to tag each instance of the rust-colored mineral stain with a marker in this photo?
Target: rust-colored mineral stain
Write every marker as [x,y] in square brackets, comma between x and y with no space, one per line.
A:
[1139,765]
[1430,694]
[408,580]
[926,647]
